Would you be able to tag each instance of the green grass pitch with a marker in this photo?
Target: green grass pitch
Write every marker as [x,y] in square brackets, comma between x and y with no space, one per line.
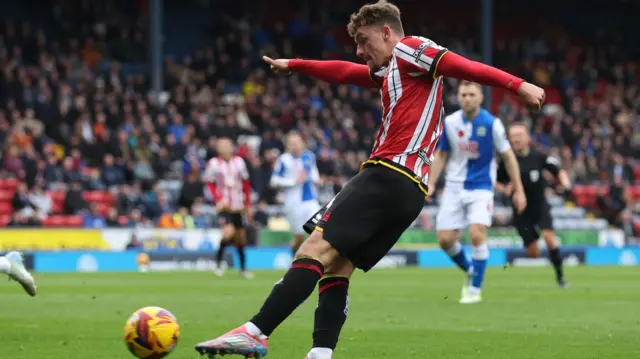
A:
[403,313]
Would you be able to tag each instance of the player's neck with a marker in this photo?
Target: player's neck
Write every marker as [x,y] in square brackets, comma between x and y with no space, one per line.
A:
[470,115]
[524,152]
[226,159]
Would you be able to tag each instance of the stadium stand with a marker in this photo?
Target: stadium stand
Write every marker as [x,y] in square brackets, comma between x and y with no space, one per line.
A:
[76,118]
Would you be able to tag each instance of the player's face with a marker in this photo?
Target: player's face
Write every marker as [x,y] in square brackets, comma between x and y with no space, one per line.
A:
[295,144]
[225,148]
[469,97]
[373,45]
[519,138]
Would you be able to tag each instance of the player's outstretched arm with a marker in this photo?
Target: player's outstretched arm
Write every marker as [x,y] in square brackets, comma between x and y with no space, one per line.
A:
[333,71]
[456,66]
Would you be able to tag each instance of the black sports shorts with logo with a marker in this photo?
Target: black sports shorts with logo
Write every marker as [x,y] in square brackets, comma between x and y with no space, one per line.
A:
[531,221]
[234,218]
[365,220]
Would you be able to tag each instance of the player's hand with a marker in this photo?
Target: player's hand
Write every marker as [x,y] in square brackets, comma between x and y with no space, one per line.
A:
[532,95]
[221,205]
[508,190]
[519,201]
[431,191]
[278,66]
[302,176]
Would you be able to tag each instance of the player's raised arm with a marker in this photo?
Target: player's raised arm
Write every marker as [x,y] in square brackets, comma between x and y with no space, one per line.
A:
[453,65]
[333,71]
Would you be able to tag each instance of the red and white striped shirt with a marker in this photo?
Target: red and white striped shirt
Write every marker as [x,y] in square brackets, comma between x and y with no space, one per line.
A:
[228,181]
[412,105]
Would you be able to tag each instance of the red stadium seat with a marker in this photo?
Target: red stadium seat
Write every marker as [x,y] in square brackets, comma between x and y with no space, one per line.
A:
[56,196]
[6,208]
[8,183]
[6,195]
[53,221]
[635,192]
[636,171]
[57,207]
[102,208]
[4,220]
[73,221]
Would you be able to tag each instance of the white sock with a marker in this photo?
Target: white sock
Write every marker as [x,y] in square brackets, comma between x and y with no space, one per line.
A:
[255,331]
[455,249]
[320,353]
[5,265]
[474,290]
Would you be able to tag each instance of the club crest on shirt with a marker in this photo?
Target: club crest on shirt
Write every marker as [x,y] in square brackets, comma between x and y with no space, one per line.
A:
[482,131]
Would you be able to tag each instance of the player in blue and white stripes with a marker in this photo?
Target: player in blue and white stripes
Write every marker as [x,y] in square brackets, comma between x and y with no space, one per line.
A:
[296,174]
[471,137]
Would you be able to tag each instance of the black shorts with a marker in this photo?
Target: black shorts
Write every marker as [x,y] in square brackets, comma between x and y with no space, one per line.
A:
[531,221]
[365,220]
[234,218]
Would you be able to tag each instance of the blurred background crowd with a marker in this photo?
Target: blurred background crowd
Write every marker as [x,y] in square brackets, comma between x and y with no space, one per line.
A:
[86,143]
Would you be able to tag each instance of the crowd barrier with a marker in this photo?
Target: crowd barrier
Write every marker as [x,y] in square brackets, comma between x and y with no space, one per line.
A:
[63,250]
[280,258]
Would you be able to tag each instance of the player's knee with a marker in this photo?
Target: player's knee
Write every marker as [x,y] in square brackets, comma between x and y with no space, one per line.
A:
[318,248]
[228,232]
[550,239]
[533,251]
[341,267]
[447,238]
[478,234]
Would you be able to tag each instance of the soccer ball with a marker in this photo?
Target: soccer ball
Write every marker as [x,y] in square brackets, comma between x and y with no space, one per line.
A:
[151,333]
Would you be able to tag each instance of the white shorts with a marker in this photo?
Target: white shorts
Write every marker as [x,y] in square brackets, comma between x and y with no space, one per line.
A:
[460,207]
[298,215]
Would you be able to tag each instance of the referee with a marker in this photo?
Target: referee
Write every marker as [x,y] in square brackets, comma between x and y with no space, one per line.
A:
[536,217]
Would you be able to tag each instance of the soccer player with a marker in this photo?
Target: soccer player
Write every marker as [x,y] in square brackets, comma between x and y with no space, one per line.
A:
[227,178]
[536,218]
[296,173]
[12,264]
[364,220]
[467,146]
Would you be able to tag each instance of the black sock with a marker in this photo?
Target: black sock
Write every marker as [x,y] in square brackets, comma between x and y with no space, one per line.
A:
[294,288]
[331,313]
[220,255]
[243,259]
[556,260]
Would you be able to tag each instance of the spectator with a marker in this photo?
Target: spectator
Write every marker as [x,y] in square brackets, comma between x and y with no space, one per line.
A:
[111,175]
[21,202]
[74,203]
[191,190]
[41,202]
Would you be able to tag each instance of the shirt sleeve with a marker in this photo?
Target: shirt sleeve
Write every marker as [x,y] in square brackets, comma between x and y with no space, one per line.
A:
[418,56]
[244,171]
[500,141]
[443,142]
[210,171]
[551,164]
[279,178]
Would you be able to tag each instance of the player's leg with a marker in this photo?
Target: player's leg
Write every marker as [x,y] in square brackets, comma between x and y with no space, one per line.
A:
[479,216]
[333,305]
[228,237]
[241,243]
[526,226]
[12,264]
[352,220]
[545,223]
[449,221]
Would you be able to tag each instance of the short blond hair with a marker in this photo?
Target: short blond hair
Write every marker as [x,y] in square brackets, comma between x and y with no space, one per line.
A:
[379,13]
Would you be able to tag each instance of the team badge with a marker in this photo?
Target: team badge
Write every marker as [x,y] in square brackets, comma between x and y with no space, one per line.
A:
[482,131]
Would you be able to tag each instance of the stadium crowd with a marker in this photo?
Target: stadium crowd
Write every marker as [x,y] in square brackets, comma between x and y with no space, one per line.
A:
[82,135]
